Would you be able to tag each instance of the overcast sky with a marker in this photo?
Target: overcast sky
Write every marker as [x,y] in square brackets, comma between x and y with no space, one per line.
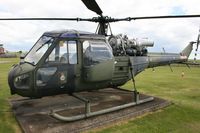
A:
[172,34]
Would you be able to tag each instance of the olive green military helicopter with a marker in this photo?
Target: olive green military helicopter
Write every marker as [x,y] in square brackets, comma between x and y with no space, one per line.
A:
[71,61]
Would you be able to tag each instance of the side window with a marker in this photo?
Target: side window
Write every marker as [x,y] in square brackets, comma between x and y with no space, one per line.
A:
[64,52]
[59,53]
[72,50]
[95,52]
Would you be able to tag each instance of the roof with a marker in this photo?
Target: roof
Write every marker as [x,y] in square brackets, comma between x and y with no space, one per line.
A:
[72,34]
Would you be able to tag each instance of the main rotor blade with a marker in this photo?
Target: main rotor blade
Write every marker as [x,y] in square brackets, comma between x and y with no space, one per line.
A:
[161,17]
[68,19]
[93,6]
[104,19]
[109,19]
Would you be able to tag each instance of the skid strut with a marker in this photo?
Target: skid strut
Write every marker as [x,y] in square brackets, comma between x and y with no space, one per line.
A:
[88,112]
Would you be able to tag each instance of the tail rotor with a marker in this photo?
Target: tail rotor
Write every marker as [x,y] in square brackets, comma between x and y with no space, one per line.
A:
[196,50]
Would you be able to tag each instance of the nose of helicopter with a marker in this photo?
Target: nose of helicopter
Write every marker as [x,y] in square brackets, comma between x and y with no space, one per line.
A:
[11,76]
[19,79]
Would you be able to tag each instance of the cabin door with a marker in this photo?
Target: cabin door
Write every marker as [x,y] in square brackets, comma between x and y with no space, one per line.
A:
[56,75]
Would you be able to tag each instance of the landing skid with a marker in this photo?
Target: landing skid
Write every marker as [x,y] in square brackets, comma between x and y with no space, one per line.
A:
[88,113]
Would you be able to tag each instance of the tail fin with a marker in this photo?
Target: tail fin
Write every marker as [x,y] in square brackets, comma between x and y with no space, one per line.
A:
[187,51]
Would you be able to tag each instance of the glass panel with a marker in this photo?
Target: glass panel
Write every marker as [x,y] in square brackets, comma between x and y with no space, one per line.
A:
[95,52]
[38,50]
[59,53]
[72,49]
[52,56]
[100,51]
[64,52]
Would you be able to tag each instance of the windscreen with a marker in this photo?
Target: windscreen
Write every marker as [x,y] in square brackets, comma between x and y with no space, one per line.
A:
[38,50]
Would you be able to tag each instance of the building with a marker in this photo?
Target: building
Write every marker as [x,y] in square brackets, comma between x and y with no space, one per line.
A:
[2,49]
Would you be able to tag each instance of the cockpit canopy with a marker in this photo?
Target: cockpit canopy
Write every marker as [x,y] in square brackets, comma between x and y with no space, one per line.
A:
[95,48]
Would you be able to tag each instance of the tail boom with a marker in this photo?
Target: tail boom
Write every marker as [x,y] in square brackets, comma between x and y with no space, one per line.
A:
[161,59]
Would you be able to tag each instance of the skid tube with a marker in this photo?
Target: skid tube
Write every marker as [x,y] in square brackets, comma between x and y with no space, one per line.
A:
[88,112]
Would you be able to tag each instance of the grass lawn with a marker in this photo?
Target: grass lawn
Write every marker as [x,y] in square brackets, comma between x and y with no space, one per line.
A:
[182,116]
[8,123]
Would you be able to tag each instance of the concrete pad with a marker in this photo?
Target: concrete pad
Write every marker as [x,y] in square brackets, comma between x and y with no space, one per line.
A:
[33,115]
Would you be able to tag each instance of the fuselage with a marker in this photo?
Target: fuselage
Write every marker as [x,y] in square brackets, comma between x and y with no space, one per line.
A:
[73,61]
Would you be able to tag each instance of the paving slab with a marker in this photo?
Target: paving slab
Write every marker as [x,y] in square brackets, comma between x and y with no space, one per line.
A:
[33,114]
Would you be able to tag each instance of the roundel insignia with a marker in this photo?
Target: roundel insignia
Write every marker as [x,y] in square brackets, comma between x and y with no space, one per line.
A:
[62,77]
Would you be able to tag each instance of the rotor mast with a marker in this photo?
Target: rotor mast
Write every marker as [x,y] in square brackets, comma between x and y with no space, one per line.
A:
[103,24]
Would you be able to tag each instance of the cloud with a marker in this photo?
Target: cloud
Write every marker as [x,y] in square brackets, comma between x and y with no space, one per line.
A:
[173,34]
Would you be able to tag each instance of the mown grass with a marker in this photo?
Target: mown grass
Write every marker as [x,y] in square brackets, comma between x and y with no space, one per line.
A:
[182,116]
[8,123]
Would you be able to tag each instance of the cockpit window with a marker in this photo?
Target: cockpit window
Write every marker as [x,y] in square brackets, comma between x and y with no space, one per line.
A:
[95,52]
[38,50]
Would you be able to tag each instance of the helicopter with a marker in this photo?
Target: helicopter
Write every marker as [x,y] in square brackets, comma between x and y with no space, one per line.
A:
[69,61]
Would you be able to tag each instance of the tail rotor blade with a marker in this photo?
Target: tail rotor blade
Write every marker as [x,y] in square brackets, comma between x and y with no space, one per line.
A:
[198,40]
[196,50]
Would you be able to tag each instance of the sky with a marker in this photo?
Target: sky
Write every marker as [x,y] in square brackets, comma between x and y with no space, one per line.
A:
[171,34]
